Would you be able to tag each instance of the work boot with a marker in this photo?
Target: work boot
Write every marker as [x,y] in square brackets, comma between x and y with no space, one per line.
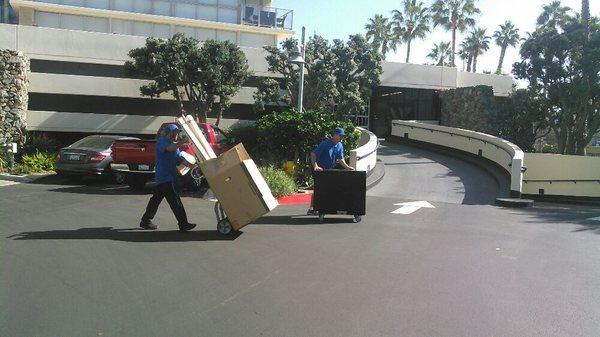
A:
[147,224]
[184,227]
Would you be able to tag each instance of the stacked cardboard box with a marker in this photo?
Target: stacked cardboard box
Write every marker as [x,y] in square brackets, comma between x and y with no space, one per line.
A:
[234,178]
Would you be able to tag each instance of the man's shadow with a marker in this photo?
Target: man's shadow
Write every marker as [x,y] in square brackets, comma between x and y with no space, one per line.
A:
[130,235]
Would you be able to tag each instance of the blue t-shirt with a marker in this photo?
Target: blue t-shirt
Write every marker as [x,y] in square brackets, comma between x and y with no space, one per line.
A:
[329,153]
[166,162]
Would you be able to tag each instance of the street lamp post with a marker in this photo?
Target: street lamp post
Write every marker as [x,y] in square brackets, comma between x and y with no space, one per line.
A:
[298,58]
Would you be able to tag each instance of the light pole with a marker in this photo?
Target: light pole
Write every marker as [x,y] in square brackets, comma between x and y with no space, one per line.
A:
[298,58]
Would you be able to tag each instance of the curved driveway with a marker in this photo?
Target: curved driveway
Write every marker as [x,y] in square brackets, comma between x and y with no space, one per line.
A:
[414,173]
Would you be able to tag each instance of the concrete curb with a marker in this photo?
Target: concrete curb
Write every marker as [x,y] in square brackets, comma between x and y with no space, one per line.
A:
[376,175]
[24,179]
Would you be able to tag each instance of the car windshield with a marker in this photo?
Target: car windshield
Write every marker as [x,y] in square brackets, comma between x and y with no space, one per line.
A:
[95,142]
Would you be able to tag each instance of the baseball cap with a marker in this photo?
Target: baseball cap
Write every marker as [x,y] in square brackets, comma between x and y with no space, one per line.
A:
[172,128]
[339,131]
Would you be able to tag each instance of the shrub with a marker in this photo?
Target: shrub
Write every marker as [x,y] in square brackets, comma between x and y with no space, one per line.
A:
[279,182]
[3,161]
[40,141]
[40,161]
[549,148]
[246,134]
[290,135]
[21,168]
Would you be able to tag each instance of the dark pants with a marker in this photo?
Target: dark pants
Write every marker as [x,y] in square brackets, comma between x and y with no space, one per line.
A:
[170,191]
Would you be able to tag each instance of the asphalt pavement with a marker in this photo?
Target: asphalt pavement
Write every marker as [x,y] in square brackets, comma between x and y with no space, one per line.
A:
[73,263]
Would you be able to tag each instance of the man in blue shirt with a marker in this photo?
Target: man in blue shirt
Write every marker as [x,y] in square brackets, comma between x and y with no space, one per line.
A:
[168,156]
[330,152]
[327,155]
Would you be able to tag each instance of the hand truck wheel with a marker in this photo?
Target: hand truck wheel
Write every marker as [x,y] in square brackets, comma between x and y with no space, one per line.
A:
[224,226]
[357,218]
[321,217]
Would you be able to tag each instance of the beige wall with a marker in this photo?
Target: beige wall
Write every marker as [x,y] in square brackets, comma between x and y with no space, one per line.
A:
[364,157]
[106,86]
[502,84]
[558,175]
[90,47]
[407,75]
[104,123]
[561,175]
[502,152]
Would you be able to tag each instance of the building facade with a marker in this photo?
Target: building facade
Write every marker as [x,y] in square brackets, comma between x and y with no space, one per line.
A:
[77,50]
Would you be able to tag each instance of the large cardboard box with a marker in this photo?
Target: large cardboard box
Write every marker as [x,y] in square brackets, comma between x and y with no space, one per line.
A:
[239,186]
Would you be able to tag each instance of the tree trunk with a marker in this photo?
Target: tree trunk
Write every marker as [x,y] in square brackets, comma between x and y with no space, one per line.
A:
[502,52]
[585,18]
[475,63]
[453,45]
[408,50]
[469,62]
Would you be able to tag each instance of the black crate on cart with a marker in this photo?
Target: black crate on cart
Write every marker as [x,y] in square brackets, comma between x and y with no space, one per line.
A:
[340,192]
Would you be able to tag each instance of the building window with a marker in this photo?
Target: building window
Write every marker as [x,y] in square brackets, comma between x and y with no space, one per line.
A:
[211,10]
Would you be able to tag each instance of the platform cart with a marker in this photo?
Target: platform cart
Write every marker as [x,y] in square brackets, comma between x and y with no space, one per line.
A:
[340,192]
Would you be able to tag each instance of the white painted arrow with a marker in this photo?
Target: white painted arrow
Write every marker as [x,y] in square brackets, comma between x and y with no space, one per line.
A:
[411,206]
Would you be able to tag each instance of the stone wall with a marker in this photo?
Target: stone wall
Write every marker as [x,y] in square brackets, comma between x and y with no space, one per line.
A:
[471,108]
[14,68]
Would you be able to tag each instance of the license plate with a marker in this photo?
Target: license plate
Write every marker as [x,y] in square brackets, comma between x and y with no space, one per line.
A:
[144,167]
[74,157]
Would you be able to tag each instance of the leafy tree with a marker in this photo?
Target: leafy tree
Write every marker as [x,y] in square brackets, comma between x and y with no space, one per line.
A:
[553,14]
[454,15]
[478,43]
[563,69]
[523,119]
[411,23]
[340,76]
[204,78]
[379,32]
[441,53]
[507,35]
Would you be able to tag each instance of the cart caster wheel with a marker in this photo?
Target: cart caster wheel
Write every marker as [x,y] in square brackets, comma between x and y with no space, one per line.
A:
[321,217]
[224,226]
[357,218]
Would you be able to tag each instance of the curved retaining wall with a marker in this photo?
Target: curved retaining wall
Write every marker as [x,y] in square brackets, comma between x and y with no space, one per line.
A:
[507,155]
[364,157]
[561,175]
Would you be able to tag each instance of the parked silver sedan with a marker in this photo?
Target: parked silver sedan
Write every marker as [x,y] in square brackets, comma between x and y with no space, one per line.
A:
[89,156]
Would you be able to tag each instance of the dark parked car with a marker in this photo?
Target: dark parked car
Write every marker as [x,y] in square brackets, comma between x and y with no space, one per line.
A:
[89,156]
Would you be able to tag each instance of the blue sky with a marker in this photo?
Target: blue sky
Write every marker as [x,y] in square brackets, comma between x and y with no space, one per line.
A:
[338,19]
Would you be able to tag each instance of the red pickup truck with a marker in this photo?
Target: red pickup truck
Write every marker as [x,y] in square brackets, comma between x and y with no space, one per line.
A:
[136,158]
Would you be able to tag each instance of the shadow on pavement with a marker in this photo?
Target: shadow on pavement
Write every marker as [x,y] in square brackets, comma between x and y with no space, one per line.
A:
[130,235]
[476,191]
[299,220]
[102,190]
[580,215]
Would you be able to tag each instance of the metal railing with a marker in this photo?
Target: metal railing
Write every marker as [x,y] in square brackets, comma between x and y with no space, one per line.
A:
[270,17]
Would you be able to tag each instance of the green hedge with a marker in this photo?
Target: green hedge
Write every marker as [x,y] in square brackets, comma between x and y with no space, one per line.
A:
[279,182]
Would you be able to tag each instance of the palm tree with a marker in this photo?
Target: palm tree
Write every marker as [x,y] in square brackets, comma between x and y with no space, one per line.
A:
[506,36]
[553,14]
[464,53]
[412,23]
[454,15]
[440,53]
[585,18]
[479,43]
[379,33]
